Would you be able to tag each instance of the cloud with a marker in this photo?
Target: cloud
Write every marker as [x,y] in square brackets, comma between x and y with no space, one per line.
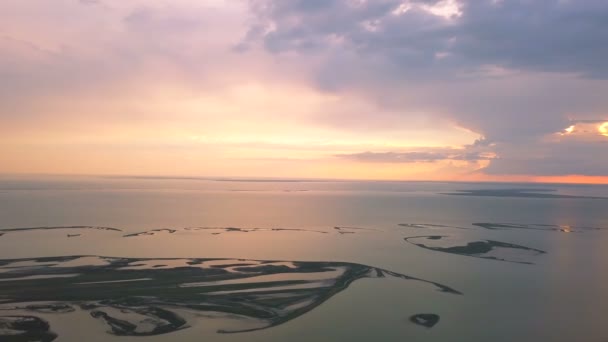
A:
[515,72]
[501,68]
[90,2]
[416,37]
[544,159]
[429,156]
[333,76]
[116,51]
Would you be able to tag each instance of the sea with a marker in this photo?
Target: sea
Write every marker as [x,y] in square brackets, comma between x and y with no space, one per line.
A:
[122,258]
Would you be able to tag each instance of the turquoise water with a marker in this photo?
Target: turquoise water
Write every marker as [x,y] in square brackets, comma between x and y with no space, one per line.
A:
[554,296]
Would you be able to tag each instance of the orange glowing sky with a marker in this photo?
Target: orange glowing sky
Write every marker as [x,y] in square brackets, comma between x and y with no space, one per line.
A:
[225,88]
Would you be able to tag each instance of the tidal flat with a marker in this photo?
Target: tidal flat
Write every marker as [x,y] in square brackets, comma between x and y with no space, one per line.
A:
[521,193]
[484,249]
[144,297]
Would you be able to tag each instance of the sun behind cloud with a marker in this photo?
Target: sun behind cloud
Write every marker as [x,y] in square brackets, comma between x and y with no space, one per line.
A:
[603,129]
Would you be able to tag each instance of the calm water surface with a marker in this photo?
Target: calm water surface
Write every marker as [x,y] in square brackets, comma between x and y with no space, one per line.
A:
[507,293]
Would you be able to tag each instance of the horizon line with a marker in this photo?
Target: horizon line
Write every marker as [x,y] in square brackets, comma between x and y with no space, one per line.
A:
[302,179]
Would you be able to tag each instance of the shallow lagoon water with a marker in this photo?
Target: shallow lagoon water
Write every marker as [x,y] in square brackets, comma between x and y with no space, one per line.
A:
[560,296]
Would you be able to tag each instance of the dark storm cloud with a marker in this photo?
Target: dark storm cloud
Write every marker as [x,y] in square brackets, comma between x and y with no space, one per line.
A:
[542,35]
[514,71]
[505,69]
[545,35]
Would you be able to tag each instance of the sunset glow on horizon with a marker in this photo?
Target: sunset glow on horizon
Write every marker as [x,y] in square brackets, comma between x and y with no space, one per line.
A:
[292,89]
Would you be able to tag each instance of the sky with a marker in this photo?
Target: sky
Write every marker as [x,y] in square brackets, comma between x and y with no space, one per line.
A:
[458,90]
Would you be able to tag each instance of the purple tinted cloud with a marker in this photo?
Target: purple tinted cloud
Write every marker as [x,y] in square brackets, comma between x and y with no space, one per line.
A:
[418,156]
[515,71]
